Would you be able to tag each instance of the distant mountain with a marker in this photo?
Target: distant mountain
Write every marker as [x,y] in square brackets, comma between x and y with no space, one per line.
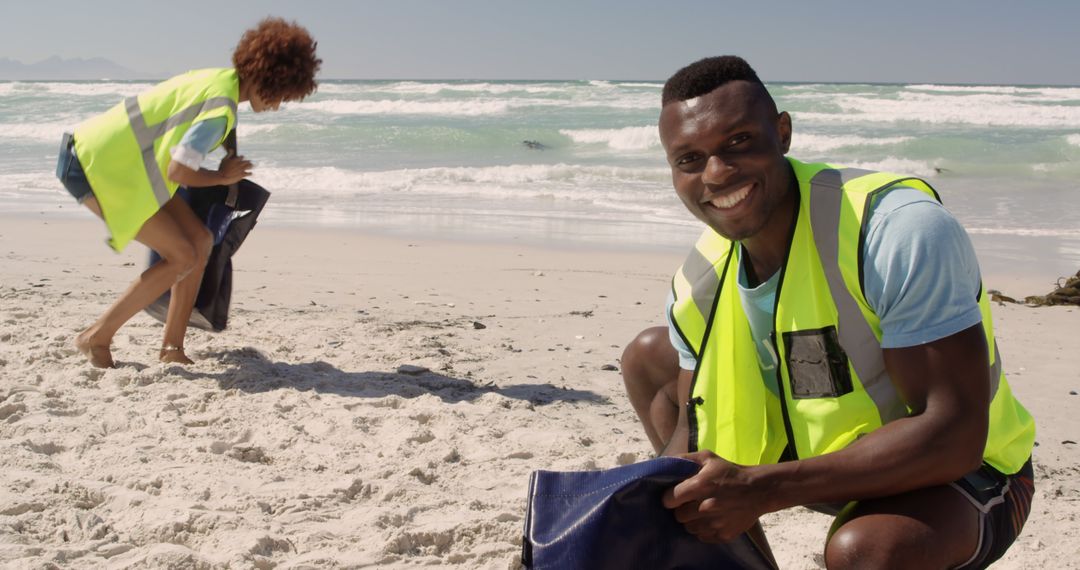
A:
[60,68]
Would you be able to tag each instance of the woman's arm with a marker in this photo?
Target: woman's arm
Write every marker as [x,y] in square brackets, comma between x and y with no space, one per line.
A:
[231,171]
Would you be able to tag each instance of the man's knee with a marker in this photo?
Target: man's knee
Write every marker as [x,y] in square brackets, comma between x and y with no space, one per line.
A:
[851,547]
[650,349]
[862,544]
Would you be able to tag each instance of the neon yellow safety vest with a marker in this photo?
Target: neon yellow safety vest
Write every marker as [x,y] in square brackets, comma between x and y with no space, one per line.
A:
[125,150]
[833,384]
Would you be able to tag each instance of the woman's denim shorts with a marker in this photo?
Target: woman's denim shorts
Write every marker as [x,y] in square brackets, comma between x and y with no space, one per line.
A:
[70,171]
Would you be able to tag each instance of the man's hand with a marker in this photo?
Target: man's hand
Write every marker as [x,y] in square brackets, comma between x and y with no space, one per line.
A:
[718,503]
[233,169]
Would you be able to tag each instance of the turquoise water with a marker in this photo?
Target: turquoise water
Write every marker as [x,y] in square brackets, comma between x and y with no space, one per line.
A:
[447,158]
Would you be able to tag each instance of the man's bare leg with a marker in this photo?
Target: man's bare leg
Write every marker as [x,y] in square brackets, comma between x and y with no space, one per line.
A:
[650,370]
[927,528]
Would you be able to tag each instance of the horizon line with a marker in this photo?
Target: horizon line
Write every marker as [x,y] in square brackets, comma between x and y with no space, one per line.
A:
[564,80]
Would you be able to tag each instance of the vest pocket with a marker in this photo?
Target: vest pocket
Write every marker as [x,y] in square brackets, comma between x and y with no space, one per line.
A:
[817,365]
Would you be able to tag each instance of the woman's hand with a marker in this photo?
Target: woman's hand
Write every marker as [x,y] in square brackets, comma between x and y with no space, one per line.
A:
[234,168]
[231,170]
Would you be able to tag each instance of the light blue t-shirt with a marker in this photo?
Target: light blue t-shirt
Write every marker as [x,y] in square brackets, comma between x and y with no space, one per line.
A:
[921,278]
[198,141]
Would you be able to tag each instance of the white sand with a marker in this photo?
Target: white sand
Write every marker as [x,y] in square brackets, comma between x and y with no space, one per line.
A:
[294,443]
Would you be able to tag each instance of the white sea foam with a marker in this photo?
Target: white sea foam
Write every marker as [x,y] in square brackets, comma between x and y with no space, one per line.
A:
[898,165]
[425,88]
[1037,93]
[246,129]
[36,132]
[509,182]
[1068,170]
[968,88]
[1073,139]
[93,89]
[400,107]
[805,96]
[52,130]
[656,86]
[800,87]
[981,109]
[493,88]
[465,107]
[809,143]
[627,138]
[1026,232]
[629,102]
[39,183]
[338,88]
[502,88]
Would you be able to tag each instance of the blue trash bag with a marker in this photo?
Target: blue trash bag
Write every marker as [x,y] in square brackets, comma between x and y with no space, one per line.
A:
[229,221]
[614,519]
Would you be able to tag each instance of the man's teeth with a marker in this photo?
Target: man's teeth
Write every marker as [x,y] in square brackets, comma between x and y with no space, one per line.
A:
[731,199]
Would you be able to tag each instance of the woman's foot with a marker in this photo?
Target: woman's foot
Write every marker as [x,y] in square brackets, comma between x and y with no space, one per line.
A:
[170,353]
[96,352]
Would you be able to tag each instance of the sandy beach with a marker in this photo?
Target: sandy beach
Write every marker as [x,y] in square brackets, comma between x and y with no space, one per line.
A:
[376,402]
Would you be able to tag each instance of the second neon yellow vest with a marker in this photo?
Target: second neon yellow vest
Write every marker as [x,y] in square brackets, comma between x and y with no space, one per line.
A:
[126,150]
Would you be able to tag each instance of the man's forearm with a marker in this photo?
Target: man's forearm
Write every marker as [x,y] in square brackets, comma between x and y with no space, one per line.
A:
[907,454]
[945,385]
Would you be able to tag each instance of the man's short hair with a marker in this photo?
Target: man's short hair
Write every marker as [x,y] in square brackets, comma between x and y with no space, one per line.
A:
[705,75]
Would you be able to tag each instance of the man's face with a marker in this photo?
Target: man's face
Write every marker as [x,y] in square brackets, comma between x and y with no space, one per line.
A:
[726,150]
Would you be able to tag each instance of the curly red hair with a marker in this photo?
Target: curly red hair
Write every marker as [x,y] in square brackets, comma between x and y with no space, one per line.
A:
[278,59]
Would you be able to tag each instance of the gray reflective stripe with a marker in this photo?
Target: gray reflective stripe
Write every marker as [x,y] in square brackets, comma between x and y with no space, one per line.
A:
[995,372]
[855,334]
[700,273]
[146,135]
[837,178]
[189,114]
[145,138]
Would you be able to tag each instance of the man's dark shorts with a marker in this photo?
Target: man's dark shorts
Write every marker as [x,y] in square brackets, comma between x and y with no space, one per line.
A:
[1004,502]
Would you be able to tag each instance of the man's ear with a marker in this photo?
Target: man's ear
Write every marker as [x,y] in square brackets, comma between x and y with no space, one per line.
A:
[783,125]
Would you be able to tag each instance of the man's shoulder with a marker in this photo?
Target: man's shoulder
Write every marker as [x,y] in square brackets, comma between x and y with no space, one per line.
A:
[903,212]
[900,196]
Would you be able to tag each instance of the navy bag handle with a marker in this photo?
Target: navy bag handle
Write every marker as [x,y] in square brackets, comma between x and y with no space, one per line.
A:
[614,519]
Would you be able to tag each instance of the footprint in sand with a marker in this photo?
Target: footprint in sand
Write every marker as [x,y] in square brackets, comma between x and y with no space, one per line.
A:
[47,448]
[422,437]
[12,412]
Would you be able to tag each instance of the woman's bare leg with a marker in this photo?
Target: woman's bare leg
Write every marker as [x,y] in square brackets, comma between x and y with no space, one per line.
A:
[162,234]
[182,296]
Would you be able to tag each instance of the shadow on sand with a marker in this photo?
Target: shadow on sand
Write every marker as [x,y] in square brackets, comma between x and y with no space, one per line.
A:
[250,371]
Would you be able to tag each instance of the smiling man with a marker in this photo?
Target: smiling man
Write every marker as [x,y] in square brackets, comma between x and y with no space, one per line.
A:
[829,344]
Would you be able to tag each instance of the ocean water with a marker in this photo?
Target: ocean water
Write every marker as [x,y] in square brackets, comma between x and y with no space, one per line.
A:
[449,159]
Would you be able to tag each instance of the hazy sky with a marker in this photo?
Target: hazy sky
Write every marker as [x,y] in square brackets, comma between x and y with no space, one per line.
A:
[945,41]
